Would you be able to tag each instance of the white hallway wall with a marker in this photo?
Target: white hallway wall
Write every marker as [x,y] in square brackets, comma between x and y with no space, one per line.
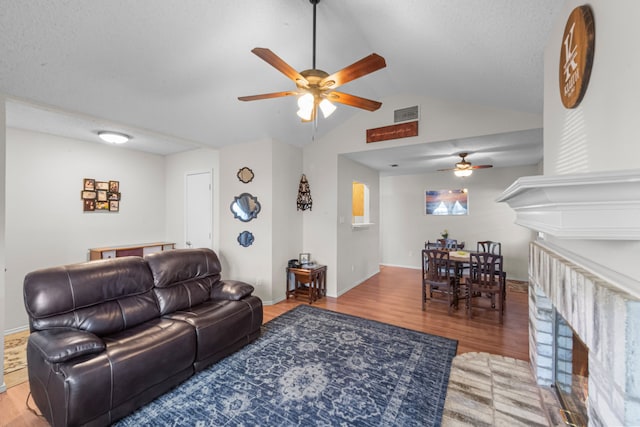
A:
[358,248]
[405,227]
[44,219]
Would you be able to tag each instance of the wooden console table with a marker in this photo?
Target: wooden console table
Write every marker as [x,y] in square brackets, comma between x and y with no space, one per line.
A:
[309,281]
[129,250]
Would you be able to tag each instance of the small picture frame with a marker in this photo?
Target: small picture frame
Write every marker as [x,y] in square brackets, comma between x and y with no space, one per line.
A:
[114,186]
[89,205]
[102,185]
[113,196]
[305,258]
[89,184]
[114,206]
[102,206]
[86,195]
[102,196]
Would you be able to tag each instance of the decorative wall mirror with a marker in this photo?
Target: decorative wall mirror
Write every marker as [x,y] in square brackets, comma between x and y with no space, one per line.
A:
[245,175]
[245,207]
[245,238]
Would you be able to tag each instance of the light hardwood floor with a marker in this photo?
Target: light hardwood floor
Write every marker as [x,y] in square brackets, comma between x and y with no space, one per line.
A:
[393,297]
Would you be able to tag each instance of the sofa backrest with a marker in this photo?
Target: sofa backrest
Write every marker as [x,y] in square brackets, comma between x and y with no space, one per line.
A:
[183,278]
[102,297]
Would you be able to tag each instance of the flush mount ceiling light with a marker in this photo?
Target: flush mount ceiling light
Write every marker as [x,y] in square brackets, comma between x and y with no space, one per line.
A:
[316,87]
[113,137]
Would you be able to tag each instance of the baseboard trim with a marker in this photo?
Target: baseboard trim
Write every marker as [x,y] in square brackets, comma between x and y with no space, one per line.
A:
[412,267]
[15,330]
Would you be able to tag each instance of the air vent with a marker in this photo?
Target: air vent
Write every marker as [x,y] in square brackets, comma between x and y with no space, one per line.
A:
[404,114]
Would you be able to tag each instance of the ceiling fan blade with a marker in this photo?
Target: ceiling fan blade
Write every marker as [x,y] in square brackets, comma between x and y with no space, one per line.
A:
[268,95]
[444,170]
[366,65]
[481,167]
[278,63]
[354,101]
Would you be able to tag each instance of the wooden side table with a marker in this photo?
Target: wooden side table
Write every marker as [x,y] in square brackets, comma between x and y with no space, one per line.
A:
[309,281]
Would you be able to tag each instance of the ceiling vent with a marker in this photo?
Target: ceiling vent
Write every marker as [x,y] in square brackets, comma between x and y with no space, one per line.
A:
[405,114]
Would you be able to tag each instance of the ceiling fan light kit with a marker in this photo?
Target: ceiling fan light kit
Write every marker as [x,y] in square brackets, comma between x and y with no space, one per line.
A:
[315,88]
[462,173]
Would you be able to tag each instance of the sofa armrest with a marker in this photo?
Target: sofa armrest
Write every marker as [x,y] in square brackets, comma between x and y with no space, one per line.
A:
[60,345]
[233,290]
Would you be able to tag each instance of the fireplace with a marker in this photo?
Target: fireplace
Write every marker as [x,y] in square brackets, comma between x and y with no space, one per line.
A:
[582,221]
[571,372]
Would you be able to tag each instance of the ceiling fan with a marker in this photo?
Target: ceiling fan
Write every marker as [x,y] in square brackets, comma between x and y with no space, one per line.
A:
[316,88]
[464,168]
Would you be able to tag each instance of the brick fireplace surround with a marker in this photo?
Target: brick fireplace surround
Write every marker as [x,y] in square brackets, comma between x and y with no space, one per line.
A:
[601,306]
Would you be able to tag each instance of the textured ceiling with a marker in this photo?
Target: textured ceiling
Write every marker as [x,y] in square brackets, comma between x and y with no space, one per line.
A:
[170,72]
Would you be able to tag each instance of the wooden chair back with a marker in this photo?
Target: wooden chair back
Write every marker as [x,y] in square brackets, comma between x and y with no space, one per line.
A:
[489,246]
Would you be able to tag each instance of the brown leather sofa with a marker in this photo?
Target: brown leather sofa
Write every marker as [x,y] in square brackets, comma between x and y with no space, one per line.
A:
[110,336]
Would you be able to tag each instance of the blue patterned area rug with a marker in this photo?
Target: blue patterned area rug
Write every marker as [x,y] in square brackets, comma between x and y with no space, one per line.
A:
[315,367]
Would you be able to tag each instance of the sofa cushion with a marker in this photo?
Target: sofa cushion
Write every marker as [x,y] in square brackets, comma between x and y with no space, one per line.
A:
[183,278]
[220,323]
[102,297]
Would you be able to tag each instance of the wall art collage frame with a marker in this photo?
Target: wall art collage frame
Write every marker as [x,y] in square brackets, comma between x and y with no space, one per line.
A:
[100,196]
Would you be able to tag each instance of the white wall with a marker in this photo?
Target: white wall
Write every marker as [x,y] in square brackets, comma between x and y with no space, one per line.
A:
[254,263]
[45,223]
[287,220]
[439,120]
[358,248]
[405,227]
[277,229]
[3,302]
[602,133]
[176,168]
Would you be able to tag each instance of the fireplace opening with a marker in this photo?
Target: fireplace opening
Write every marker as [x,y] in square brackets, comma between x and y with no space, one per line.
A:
[571,373]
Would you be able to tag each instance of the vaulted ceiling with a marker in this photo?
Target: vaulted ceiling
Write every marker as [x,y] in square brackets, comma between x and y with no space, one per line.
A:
[170,72]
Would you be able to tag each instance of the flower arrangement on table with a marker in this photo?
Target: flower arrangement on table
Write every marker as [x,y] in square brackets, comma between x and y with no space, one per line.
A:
[445,234]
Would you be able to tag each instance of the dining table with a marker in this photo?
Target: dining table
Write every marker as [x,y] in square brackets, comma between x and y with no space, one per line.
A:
[460,260]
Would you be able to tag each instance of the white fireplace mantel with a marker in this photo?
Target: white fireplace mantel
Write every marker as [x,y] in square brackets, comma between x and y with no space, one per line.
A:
[602,206]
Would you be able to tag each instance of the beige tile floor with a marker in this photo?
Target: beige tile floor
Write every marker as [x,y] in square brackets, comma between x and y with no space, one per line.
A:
[491,390]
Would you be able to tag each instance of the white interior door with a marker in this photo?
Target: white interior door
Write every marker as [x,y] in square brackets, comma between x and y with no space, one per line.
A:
[198,215]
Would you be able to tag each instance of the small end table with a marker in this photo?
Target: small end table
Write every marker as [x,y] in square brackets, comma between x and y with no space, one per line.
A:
[308,281]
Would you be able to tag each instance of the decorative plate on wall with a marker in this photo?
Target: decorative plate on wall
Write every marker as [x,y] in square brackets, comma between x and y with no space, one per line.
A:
[245,175]
[245,238]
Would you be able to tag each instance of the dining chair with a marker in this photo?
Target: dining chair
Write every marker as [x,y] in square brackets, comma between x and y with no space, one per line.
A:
[489,246]
[485,280]
[437,279]
[448,243]
[495,248]
[432,245]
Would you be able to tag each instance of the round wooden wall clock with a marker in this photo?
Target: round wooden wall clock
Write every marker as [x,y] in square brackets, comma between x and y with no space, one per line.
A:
[576,56]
